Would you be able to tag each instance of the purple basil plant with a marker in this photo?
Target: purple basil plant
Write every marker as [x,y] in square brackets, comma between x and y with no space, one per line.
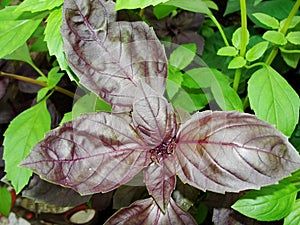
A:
[125,64]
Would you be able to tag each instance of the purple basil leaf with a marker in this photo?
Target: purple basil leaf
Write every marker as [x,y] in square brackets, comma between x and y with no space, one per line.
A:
[111,57]
[147,212]
[3,86]
[232,151]
[43,191]
[93,153]
[153,117]
[161,180]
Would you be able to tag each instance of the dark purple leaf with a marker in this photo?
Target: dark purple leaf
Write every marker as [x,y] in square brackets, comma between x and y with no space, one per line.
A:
[125,195]
[160,180]
[111,57]
[43,191]
[93,153]
[232,151]
[101,201]
[3,86]
[147,212]
[153,117]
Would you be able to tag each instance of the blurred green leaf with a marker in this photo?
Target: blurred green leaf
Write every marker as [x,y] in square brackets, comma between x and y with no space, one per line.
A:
[197,6]
[294,37]
[5,199]
[228,51]
[132,4]
[267,20]
[182,56]
[161,11]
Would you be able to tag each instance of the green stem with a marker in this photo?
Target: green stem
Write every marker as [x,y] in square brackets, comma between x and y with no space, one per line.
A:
[215,21]
[290,17]
[238,72]
[40,83]
[38,70]
[283,30]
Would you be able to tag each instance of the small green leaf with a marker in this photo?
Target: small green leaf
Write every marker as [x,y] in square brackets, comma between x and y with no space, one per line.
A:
[133,4]
[182,56]
[22,134]
[42,93]
[228,51]
[55,42]
[267,20]
[293,23]
[211,5]
[54,77]
[161,11]
[294,37]
[273,99]
[257,51]
[270,203]
[197,6]
[275,37]
[293,218]
[5,199]
[237,62]
[237,38]
[38,6]
[9,41]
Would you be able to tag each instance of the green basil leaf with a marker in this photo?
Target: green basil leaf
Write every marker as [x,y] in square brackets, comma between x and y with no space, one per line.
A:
[267,20]
[38,6]
[237,38]
[24,131]
[293,218]
[275,37]
[197,6]
[237,62]
[273,99]
[294,37]
[293,23]
[270,203]
[228,51]
[9,41]
[132,4]
[257,51]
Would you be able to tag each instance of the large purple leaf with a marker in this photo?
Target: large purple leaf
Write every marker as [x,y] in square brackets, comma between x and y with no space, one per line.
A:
[111,57]
[232,151]
[147,212]
[153,117]
[93,153]
[160,180]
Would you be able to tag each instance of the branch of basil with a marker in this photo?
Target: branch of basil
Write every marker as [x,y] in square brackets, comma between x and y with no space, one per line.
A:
[41,83]
[283,30]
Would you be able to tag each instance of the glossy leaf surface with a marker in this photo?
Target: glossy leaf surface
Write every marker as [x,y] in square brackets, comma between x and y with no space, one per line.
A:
[146,210]
[231,151]
[268,204]
[273,99]
[93,153]
[293,218]
[111,57]
[37,6]
[132,4]
[27,129]
[267,20]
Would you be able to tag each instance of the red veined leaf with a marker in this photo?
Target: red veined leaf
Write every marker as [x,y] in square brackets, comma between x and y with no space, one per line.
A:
[153,117]
[147,212]
[232,151]
[160,180]
[93,153]
[111,57]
